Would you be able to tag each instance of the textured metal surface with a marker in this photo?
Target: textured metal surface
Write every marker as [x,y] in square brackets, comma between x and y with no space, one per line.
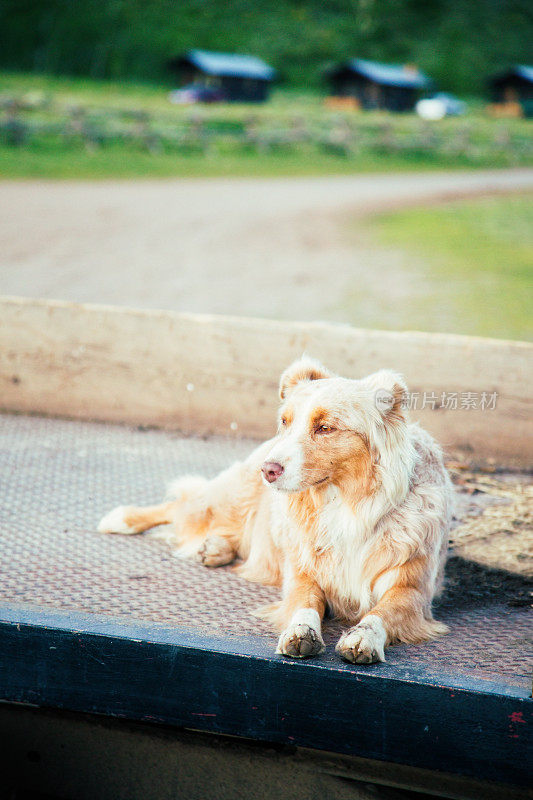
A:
[57,478]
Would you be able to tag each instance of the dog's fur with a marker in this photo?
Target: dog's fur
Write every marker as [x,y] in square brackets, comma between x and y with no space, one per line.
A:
[357,522]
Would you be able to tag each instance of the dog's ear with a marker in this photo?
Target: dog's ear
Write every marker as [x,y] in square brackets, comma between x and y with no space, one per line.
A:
[304,369]
[390,394]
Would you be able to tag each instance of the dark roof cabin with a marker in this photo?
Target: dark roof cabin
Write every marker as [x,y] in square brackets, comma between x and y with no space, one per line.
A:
[378,86]
[514,85]
[242,79]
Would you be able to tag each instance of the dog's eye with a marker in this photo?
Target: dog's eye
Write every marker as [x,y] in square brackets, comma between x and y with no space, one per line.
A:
[284,420]
[324,429]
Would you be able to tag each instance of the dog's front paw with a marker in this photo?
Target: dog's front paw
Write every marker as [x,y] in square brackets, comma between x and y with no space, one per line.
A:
[300,641]
[365,643]
[216,552]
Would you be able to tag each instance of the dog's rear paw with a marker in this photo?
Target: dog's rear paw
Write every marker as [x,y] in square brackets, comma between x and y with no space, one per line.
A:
[365,643]
[116,522]
[300,641]
[216,552]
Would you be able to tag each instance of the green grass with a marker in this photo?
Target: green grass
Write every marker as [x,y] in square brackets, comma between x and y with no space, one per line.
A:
[122,162]
[84,90]
[489,143]
[473,261]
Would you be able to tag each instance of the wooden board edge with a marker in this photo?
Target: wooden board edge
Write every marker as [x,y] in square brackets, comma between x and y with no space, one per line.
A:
[156,368]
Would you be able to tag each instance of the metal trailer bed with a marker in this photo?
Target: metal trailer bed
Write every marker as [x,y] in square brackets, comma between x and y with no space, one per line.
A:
[116,626]
[127,674]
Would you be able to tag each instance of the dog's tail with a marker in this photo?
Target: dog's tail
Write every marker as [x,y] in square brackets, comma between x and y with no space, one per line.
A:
[133,519]
[185,507]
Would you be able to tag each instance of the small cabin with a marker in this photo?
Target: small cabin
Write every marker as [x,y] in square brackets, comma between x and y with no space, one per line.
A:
[374,85]
[239,78]
[513,87]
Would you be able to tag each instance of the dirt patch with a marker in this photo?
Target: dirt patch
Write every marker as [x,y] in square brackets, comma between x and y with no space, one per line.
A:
[494,520]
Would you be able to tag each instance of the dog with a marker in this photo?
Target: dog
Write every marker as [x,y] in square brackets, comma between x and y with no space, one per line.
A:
[347,509]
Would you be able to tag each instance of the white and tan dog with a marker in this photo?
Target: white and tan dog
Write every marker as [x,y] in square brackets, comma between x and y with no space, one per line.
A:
[347,508]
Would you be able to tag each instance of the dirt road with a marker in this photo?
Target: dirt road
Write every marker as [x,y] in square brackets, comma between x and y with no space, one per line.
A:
[261,247]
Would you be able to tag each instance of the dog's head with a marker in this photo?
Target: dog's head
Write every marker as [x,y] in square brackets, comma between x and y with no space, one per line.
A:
[332,429]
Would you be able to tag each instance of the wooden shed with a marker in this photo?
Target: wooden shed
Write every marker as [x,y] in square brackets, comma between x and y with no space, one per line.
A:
[240,78]
[378,86]
[513,86]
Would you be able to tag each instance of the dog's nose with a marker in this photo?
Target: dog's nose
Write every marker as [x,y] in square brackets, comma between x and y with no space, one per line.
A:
[271,470]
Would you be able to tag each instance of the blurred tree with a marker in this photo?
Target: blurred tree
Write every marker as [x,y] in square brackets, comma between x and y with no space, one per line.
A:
[458,42]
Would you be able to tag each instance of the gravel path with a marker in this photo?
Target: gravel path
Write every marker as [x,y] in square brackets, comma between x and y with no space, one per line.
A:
[259,247]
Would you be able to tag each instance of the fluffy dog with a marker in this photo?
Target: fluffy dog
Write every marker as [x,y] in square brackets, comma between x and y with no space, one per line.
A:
[347,508]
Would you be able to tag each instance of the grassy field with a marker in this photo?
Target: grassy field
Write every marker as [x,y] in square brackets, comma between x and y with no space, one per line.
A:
[77,128]
[472,261]
[121,163]
[463,267]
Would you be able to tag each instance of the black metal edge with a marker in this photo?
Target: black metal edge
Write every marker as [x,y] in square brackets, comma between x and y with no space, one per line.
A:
[249,645]
[178,678]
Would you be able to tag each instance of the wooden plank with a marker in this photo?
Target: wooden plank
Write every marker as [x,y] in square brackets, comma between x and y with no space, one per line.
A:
[206,374]
[174,678]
